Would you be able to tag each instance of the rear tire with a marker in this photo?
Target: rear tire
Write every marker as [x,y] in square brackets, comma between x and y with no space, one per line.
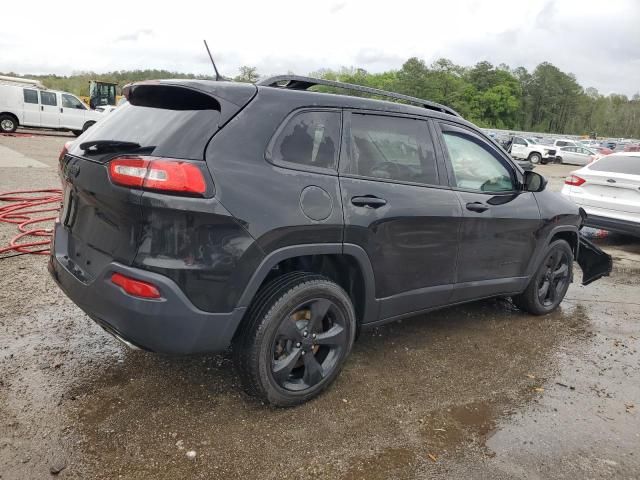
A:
[295,339]
[549,284]
[8,123]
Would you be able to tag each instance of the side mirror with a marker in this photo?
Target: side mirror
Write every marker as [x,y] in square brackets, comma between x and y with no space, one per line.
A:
[534,182]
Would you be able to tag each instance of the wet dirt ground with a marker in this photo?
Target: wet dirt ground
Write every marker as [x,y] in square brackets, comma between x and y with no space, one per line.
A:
[477,391]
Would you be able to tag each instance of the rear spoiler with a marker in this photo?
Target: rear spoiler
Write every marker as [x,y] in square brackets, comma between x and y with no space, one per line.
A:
[226,97]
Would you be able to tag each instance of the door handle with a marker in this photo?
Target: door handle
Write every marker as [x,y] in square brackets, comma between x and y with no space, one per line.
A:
[61,110]
[42,108]
[368,201]
[477,207]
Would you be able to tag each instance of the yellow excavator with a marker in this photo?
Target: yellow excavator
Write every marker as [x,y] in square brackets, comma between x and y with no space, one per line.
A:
[101,94]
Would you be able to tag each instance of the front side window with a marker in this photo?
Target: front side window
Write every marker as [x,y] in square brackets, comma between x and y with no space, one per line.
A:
[519,141]
[474,166]
[30,96]
[69,101]
[48,98]
[310,139]
[392,148]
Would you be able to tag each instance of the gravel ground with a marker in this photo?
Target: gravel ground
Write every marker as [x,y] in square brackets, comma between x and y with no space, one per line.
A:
[476,391]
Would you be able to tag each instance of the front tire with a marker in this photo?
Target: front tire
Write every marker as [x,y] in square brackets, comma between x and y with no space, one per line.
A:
[295,339]
[8,124]
[549,284]
[535,158]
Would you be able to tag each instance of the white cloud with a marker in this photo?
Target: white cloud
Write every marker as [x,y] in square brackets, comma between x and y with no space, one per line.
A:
[600,45]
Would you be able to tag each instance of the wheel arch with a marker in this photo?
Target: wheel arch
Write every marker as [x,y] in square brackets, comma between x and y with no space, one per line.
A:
[12,115]
[569,233]
[348,265]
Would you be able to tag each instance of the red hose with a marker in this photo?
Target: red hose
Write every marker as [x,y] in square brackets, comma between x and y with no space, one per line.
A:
[26,208]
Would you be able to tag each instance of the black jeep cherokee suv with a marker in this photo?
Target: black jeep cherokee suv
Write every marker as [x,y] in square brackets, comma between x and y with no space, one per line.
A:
[280,221]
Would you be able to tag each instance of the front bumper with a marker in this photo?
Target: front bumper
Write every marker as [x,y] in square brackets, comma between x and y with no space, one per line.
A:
[171,324]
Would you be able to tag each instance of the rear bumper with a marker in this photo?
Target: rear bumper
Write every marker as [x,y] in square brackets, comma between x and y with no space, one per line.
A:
[613,224]
[171,324]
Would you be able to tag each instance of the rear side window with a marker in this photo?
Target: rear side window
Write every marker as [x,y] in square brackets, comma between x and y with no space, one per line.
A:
[618,164]
[30,96]
[309,139]
[392,148]
[48,98]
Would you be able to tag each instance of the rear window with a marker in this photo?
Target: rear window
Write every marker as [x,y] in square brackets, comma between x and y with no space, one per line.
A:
[618,164]
[160,131]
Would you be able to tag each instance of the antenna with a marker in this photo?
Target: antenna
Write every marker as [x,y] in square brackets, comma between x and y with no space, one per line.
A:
[218,76]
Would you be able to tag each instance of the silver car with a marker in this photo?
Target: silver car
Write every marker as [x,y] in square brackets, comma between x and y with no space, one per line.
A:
[576,155]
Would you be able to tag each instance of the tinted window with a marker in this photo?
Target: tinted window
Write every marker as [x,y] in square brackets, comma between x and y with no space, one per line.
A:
[561,143]
[30,96]
[310,139]
[519,141]
[392,148]
[162,132]
[69,101]
[474,166]
[48,98]
[618,164]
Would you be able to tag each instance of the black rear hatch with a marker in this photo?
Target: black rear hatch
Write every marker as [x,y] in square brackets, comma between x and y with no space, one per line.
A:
[167,119]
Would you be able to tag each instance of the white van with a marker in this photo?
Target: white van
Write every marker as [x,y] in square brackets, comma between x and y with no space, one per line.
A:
[25,103]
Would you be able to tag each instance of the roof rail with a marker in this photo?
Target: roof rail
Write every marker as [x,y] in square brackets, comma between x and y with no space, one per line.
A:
[297,82]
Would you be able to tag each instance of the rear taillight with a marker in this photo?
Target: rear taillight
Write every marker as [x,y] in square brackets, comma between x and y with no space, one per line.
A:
[134,287]
[574,180]
[64,151]
[160,174]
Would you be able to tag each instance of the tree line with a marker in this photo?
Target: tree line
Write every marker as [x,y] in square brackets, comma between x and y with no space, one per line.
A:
[545,100]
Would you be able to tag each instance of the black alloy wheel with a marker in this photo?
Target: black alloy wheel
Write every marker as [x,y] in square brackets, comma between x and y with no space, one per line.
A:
[554,278]
[294,339]
[308,344]
[550,282]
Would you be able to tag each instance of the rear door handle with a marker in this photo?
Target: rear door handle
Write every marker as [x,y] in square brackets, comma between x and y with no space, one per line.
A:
[477,207]
[368,201]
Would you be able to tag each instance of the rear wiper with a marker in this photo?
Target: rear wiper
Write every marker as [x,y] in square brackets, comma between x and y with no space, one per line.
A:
[95,145]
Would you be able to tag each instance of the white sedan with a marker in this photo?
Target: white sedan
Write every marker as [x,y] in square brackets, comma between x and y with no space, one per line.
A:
[609,191]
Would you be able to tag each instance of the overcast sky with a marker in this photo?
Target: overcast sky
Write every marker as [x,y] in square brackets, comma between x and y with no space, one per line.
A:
[597,41]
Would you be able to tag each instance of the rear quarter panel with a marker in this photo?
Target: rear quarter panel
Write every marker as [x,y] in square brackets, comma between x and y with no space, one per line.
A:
[265,198]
